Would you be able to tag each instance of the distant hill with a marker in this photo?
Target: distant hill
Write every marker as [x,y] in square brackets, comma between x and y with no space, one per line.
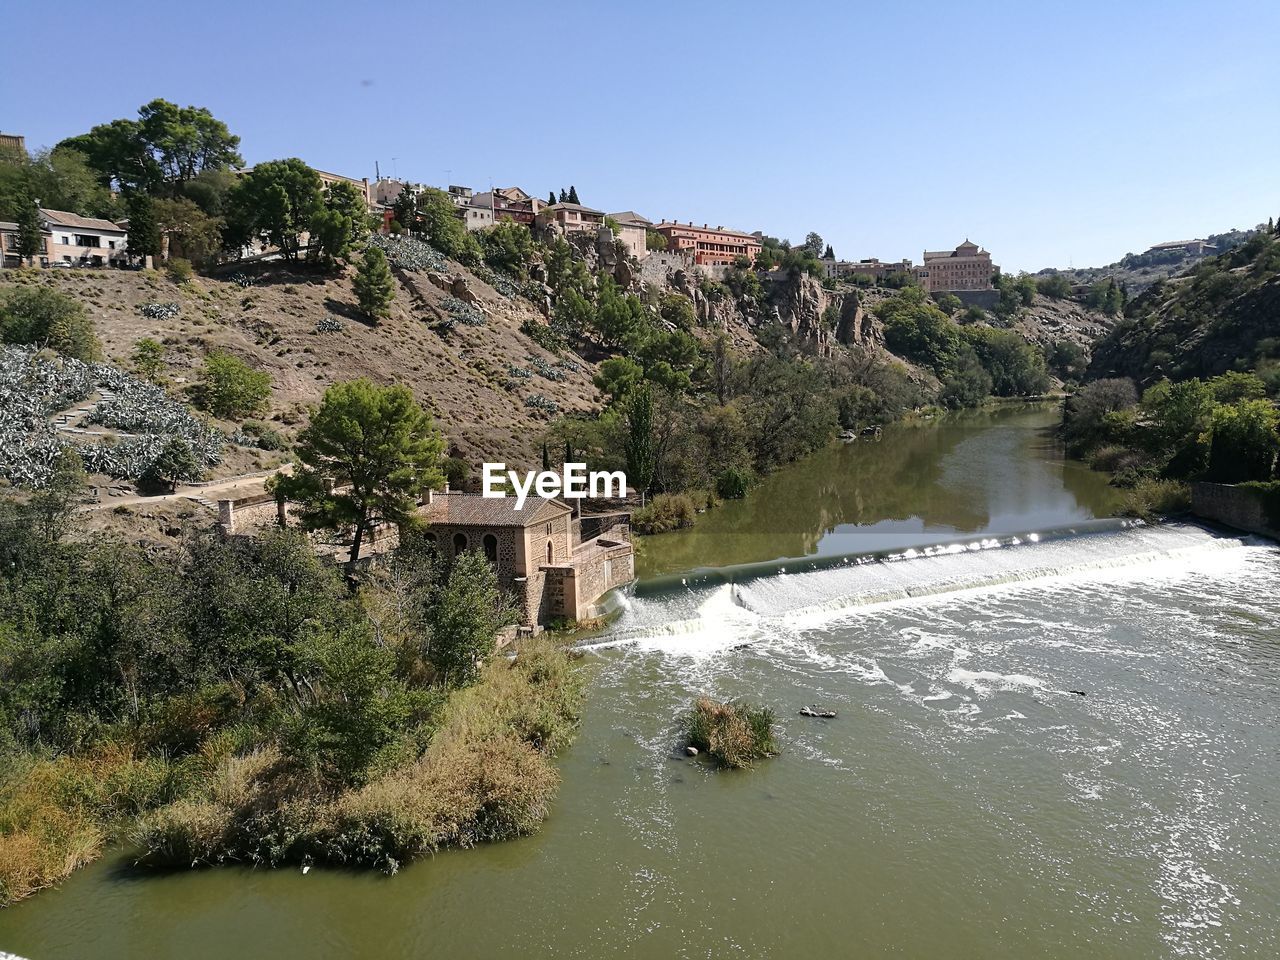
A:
[1224,314]
[1137,271]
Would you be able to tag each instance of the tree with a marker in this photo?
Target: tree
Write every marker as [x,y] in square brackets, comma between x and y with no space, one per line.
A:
[367,454]
[1245,441]
[1054,285]
[573,194]
[167,145]
[640,447]
[967,385]
[829,253]
[175,462]
[148,358]
[439,224]
[374,286]
[813,244]
[190,232]
[653,240]
[617,316]
[48,318]
[405,209]
[508,246]
[564,197]
[144,230]
[30,235]
[273,202]
[230,388]
[551,198]
[617,376]
[60,179]
[337,223]
[465,618]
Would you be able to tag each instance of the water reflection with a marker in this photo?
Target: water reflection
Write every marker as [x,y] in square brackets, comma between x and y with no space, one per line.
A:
[1000,471]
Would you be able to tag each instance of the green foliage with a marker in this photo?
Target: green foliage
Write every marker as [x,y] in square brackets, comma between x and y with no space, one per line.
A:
[366,455]
[1245,442]
[1016,368]
[46,317]
[375,287]
[1066,359]
[144,228]
[664,513]
[230,388]
[733,734]
[677,309]
[508,246]
[618,316]
[640,445]
[438,223]
[179,270]
[166,145]
[193,234]
[466,615]
[949,303]
[1105,296]
[653,240]
[175,462]
[733,483]
[60,179]
[274,203]
[617,376]
[1054,285]
[1150,498]
[966,384]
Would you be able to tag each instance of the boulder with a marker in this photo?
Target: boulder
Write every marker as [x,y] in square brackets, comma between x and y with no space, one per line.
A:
[462,290]
[690,751]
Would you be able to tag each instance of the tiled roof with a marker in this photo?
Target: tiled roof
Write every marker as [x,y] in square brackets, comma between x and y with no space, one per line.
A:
[64,219]
[677,225]
[468,510]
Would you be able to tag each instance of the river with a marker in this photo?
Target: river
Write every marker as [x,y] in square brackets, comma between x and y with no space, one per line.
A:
[965,802]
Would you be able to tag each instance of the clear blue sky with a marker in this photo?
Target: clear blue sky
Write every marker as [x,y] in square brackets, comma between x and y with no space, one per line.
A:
[1052,133]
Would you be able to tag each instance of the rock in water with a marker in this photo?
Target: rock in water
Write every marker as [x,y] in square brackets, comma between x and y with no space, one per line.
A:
[691,751]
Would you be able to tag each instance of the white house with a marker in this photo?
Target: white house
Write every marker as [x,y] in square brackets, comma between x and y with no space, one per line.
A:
[83,241]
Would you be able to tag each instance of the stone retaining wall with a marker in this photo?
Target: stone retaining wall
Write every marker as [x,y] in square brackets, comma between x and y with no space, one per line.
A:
[1244,508]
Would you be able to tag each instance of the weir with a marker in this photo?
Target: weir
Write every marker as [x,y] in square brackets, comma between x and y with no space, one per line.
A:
[734,603]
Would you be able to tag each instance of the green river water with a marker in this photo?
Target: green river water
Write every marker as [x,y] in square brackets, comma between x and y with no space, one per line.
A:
[965,803]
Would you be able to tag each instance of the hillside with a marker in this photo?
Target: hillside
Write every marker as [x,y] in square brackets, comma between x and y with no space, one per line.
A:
[1222,315]
[1137,271]
[477,380]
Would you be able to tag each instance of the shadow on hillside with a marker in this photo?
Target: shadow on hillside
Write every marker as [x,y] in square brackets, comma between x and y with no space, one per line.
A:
[348,311]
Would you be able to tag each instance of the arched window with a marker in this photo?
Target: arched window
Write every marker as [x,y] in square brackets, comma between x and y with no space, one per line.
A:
[459,543]
[551,552]
[491,547]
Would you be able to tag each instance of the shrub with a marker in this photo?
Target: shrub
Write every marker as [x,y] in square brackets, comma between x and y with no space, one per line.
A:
[44,317]
[733,734]
[667,511]
[732,483]
[1150,498]
[231,388]
[179,270]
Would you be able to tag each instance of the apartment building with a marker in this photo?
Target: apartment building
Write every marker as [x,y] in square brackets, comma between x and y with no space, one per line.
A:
[709,246]
[83,241]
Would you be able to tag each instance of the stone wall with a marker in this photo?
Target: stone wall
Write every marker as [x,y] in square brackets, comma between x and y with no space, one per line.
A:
[659,265]
[1244,508]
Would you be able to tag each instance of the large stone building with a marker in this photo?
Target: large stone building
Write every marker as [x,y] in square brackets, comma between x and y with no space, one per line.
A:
[556,565]
[13,145]
[967,267]
[571,217]
[709,246]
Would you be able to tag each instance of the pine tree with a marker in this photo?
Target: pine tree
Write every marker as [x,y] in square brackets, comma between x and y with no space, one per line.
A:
[30,240]
[551,197]
[573,194]
[564,197]
[374,285]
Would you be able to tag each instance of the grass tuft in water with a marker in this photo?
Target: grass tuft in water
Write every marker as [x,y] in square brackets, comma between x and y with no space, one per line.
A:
[733,734]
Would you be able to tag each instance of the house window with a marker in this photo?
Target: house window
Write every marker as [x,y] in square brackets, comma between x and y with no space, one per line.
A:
[111,244]
[551,552]
[66,240]
[87,240]
[548,528]
[491,547]
[459,543]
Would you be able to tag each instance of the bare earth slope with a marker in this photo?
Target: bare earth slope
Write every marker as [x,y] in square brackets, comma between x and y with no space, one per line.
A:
[474,379]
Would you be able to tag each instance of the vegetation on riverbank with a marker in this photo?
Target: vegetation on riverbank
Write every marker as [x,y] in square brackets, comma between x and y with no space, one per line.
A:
[733,734]
[234,700]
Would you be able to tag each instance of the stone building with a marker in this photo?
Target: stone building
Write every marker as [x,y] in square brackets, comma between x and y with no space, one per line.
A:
[553,563]
[709,246]
[967,267]
[541,554]
[13,145]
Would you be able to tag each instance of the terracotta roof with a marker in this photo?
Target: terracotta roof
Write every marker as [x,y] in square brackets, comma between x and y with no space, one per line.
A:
[468,510]
[64,219]
[676,224]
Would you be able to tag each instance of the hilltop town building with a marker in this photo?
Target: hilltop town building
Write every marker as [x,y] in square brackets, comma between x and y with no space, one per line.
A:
[967,267]
[709,246]
[572,217]
[871,267]
[10,246]
[501,203]
[13,145]
[633,230]
[1192,248]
